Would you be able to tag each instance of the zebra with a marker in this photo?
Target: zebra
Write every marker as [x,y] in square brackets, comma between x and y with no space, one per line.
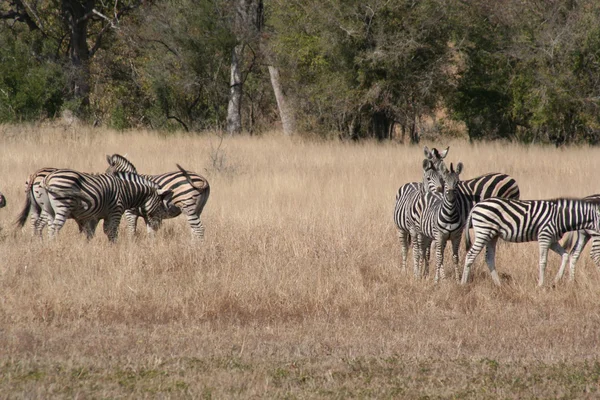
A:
[486,186]
[32,207]
[190,193]
[404,212]
[576,241]
[87,198]
[545,221]
[440,219]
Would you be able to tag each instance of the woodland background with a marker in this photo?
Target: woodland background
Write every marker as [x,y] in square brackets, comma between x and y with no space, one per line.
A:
[526,71]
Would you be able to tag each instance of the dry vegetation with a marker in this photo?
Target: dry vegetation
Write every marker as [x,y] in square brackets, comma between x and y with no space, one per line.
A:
[296,291]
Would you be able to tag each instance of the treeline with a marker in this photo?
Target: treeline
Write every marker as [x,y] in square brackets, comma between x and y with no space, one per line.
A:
[519,70]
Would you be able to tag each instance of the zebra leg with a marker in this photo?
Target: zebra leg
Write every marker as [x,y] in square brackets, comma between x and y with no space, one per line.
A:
[57,222]
[490,259]
[455,247]
[476,247]
[39,219]
[582,239]
[403,236]
[544,244]
[439,259]
[426,255]
[131,219]
[595,251]
[557,248]
[416,242]
[194,220]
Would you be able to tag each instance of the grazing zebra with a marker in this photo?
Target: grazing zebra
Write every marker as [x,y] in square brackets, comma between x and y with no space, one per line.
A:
[482,187]
[87,198]
[190,193]
[32,207]
[440,219]
[576,241]
[525,221]
[405,212]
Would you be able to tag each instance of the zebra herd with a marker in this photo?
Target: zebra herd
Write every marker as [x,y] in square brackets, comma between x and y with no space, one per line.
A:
[442,207]
[54,195]
[439,209]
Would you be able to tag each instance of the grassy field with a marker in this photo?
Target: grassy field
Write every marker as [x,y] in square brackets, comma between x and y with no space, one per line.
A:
[297,290]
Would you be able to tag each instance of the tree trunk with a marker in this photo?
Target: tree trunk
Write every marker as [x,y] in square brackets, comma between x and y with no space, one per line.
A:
[286,113]
[234,109]
[76,14]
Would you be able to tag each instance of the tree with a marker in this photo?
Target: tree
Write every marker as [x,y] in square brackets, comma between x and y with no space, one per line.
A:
[74,20]
[247,21]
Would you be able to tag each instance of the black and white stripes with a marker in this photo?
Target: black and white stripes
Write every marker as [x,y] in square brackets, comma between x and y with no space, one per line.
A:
[190,193]
[523,221]
[87,198]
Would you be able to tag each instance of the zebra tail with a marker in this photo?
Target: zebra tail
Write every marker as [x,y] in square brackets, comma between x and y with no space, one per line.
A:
[25,212]
[466,232]
[204,190]
[28,203]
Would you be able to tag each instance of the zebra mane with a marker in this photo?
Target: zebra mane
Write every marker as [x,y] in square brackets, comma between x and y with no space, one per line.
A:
[121,162]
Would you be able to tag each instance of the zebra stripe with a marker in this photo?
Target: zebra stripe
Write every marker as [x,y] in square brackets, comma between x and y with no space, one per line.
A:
[190,193]
[545,221]
[32,208]
[440,219]
[575,242]
[87,198]
[482,187]
[405,213]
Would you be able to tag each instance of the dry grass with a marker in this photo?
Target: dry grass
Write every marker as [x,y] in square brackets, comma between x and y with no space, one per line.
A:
[296,291]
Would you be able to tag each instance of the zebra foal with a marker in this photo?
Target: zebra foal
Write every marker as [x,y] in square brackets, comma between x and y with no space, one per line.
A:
[545,221]
[190,193]
[87,198]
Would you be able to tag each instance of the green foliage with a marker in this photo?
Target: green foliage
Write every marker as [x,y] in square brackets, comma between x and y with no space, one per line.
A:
[513,70]
[30,86]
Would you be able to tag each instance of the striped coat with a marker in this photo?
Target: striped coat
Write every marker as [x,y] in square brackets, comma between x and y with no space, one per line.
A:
[190,193]
[87,198]
[545,221]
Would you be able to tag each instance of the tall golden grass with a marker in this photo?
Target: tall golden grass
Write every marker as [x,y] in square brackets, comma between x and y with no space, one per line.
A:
[297,289]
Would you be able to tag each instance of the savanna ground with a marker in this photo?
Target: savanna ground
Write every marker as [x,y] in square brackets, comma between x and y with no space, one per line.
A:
[296,291]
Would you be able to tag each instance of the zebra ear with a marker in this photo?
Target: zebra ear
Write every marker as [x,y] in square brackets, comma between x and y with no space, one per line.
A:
[109,160]
[459,167]
[427,165]
[428,153]
[444,153]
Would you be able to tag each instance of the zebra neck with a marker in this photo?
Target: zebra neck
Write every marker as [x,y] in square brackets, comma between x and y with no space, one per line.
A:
[449,217]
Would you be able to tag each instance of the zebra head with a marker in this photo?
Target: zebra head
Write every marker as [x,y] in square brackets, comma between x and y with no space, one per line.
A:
[432,179]
[157,207]
[436,157]
[118,163]
[451,178]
